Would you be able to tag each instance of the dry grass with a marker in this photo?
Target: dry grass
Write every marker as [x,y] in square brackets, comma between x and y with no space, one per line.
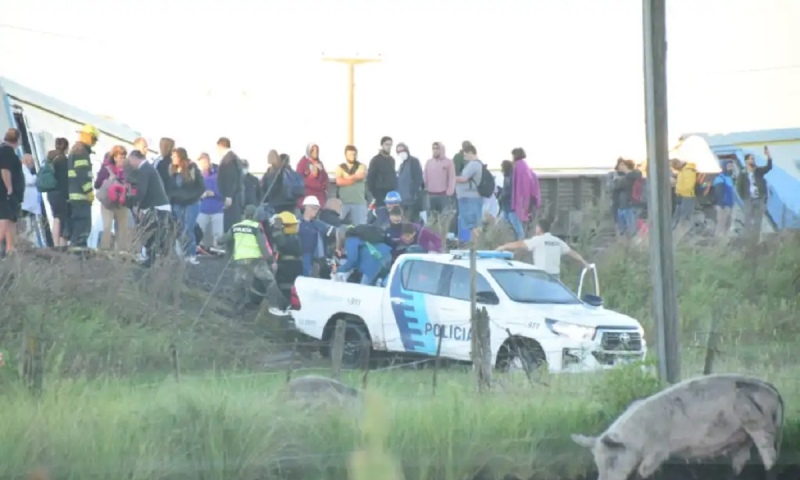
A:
[102,318]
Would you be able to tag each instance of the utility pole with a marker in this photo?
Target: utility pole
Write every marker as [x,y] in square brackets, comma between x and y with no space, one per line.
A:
[351,63]
[665,303]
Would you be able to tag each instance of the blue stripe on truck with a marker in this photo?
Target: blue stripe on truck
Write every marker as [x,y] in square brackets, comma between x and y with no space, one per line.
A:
[411,317]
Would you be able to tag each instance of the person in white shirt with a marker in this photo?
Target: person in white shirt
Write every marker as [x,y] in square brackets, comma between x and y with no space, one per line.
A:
[31,207]
[547,249]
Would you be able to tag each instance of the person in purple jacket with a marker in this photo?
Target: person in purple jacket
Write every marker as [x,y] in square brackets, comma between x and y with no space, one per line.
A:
[402,234]
[211,205]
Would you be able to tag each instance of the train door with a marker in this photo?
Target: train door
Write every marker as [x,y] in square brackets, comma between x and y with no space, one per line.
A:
[6,119]
[31,144]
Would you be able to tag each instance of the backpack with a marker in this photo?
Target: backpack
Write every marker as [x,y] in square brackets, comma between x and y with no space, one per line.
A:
[638,192]
[294,186]
[46,179]
[369,233]
[486,186]
[102,194]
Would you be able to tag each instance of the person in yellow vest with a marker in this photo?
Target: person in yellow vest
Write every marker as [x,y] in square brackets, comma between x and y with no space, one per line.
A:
[79,181]
[253,264]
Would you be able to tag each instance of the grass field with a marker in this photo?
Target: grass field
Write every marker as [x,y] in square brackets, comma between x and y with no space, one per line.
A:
[110,407]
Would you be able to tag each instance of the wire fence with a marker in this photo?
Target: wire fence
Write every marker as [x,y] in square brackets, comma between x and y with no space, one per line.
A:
[103,318]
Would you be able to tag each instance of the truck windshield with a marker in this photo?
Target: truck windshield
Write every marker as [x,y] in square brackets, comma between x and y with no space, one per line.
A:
[533,286]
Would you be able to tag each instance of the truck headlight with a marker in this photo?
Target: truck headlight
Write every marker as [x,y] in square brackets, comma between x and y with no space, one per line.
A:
[570,330]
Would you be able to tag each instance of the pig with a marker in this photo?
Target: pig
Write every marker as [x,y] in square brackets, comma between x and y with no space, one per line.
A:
[700,418]
[317,391]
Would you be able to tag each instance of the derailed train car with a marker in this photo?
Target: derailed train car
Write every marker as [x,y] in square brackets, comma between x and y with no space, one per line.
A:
[41,119]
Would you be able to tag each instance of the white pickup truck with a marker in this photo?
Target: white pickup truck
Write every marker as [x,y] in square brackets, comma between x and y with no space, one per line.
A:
[535,320]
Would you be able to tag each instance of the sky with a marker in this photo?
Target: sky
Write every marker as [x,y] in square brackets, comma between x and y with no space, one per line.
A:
[560,78]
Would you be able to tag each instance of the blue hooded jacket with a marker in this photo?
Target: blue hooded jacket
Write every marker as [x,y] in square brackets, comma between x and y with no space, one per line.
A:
[724,187]
[359,257]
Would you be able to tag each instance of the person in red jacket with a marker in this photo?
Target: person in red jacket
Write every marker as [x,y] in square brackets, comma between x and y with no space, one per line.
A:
[314,174]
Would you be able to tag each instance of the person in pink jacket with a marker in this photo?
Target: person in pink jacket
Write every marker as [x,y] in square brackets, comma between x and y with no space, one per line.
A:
[114,212]
[525,196]
[314,174]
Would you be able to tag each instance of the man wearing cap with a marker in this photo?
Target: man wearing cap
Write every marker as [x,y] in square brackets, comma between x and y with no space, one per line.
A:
[253,261]
[311,234]
[79,182]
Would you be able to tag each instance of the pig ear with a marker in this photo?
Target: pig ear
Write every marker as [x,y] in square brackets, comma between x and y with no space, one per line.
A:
[612,440]
[583,440]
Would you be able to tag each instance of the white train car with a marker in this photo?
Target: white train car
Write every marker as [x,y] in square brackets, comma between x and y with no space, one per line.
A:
[42,119]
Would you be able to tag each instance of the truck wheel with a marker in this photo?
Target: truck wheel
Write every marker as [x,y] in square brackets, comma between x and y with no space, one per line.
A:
[522,355]
[357,346]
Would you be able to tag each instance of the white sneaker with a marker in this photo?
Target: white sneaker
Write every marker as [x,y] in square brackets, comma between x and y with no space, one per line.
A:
[192,260]
[278,312]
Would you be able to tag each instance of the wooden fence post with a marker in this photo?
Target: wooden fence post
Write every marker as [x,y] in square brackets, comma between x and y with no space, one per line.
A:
[481,334]
[32,363]
[436,363]
[712,343]
[337,348]
[291,362]
[176,362]
[484,350]
[365,377]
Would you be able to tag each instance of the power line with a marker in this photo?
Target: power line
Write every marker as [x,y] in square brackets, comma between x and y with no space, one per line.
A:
[773,68]
[45,32]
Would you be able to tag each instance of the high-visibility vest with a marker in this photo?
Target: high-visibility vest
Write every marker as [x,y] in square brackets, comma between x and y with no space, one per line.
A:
[245,240]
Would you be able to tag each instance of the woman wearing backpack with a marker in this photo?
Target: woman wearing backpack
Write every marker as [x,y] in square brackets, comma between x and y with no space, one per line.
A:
[110,186]
[281,185]
[57,197]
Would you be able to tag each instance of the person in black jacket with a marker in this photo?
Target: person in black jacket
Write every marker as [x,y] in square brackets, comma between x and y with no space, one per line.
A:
[12,189]
[230,181]
[185,189]
[79,183]
[752,188]
[272,184]
[150,203]
[410,183]
[382,178]
[165,147]
[59,198]
[252,186]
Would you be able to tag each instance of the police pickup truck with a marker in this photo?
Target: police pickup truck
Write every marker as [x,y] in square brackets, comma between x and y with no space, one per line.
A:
[535,320]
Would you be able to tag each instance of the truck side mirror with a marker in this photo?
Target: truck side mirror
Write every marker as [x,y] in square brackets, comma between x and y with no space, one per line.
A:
[592,300]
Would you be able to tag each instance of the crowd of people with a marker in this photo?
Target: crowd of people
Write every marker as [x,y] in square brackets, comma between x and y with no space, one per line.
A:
[292,221]
[629,195]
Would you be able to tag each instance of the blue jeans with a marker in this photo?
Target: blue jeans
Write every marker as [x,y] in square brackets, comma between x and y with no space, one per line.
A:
[308,263]
[470,213]
[187,220]
[513,220]
[684,211]
[626,221]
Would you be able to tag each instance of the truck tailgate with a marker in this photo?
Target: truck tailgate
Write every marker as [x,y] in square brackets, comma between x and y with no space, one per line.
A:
[321,299]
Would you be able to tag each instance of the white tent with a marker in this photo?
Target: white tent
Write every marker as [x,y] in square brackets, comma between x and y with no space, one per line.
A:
[695,149]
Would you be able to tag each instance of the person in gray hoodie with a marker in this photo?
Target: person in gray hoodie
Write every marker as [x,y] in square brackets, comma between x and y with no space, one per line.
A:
[409,182]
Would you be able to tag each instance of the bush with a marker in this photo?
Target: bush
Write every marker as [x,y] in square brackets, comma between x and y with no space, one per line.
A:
[621,386]
[101,316]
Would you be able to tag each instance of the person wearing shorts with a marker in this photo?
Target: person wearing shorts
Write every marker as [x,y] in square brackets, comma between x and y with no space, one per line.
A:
[12,188]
